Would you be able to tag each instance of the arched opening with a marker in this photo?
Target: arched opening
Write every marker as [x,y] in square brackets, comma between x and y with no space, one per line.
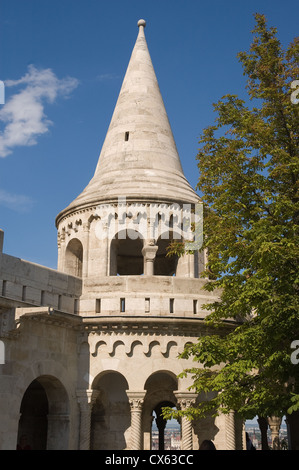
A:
[44,415]
[159,432]
[110,417]
[165,265]
[74,258]
[126,254]
[33,421]
[166,435]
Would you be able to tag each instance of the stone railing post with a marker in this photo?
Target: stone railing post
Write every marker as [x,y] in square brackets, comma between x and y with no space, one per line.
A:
[86,399]
[136,403]
[186,400]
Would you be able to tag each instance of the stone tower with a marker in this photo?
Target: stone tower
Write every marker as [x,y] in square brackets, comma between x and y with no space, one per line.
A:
[140,307]
[111,321]
[139,169]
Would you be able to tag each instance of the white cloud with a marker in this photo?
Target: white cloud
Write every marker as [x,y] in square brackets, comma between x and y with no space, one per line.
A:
[16,202]
[23,115]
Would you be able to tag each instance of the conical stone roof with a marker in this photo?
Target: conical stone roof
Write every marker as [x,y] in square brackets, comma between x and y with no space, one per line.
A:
[139,159]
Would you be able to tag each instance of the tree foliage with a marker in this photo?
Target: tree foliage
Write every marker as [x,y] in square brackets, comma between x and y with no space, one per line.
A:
[249,166]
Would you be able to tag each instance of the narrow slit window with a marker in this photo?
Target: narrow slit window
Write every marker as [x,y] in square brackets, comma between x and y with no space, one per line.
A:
[42,297]
[195,306]
[4,288]
[24,293]
[147,305]
[59,302]
[127,136]
[98,305]
[122,305]
[171,305]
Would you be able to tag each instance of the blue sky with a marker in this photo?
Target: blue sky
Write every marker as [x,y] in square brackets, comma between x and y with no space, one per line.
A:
[63,62]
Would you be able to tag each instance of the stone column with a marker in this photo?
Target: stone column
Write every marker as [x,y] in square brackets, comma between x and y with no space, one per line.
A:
[292,422]
[136,403]
[186,400]
[263,425]
[86,399]
[161,424]
[149,254]
[147,432]
[274,424]
[230,431]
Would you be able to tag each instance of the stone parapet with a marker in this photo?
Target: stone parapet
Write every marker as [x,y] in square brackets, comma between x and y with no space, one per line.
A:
[145,295]
[25,284]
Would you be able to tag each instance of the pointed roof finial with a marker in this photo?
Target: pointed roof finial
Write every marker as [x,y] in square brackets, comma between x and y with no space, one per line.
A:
[141,23]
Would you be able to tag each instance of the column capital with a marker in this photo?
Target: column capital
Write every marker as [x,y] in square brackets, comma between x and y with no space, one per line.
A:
[136,399]
[274,422]
[149,251]
[185,399]
[86,398]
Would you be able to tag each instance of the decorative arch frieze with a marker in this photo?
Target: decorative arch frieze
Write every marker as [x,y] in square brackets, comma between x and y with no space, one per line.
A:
[164,347]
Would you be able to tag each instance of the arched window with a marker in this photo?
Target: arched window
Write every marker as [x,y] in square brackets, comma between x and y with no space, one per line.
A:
[165,265]
[126,254]
[74,258]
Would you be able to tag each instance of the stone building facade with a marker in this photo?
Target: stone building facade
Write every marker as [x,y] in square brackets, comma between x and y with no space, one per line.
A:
[91,349]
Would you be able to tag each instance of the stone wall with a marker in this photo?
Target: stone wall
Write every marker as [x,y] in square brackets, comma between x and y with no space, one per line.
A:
[23,283]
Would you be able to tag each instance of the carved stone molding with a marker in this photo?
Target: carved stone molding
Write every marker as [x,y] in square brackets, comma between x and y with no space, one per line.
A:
[185,400]
[136,399]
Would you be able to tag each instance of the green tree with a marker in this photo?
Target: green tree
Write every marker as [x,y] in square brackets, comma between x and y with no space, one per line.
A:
[249,165]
